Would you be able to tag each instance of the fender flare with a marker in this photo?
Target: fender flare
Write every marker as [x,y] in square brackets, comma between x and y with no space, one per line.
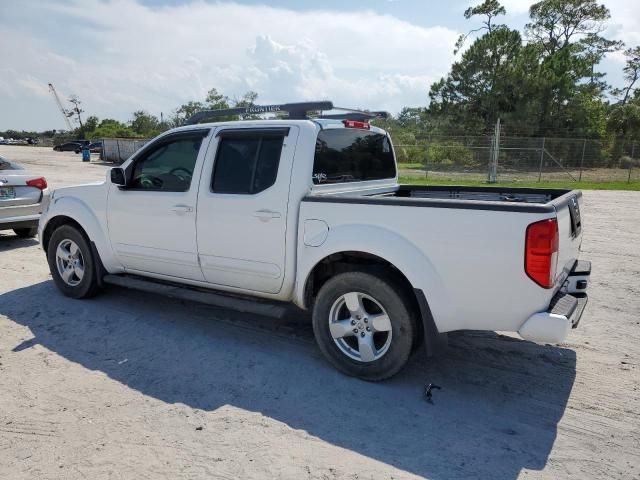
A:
[78,211]
[385,244]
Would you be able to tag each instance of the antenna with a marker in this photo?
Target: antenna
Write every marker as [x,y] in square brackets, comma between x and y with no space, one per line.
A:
[62,110]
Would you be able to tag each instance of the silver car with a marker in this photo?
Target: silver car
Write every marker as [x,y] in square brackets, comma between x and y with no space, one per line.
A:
[23,197]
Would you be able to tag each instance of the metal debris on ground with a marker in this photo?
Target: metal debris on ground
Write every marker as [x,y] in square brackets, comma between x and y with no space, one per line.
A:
[428,394]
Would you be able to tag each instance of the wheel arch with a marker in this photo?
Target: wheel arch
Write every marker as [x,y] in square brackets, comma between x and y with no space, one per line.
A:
[71,211]
[376,248]
[56,222]
[344,261]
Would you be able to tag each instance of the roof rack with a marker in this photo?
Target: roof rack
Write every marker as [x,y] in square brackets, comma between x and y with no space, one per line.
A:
[352,114]
[295,111]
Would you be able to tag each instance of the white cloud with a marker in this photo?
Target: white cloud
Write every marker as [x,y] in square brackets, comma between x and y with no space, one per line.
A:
[625,21]
[120,56]
[516,7]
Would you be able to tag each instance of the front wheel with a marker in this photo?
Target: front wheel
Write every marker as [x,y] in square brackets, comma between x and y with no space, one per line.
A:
[71,262]
[363,325]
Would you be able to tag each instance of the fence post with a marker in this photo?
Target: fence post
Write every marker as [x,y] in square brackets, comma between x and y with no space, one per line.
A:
[633,152]
[495,152]
[426,160]
[119,155]
[495,163]
[541,160]
[584,146]
[490,159]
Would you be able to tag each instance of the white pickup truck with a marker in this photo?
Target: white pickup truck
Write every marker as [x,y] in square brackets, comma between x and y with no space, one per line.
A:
[261,212]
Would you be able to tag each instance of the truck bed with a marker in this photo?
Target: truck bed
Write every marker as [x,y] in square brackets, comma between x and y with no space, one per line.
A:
[464,245]
[531,200]
[490,194]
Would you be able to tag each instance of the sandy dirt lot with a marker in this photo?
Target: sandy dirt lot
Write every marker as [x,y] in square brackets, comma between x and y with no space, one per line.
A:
[131,385]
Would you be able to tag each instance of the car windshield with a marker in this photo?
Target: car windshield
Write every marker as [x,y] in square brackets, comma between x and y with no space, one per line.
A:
[7,165]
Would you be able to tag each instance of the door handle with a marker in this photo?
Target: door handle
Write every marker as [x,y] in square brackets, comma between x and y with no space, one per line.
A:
[181,209]
[266,214]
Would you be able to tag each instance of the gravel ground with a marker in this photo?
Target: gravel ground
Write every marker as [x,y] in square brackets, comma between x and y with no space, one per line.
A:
[131,385]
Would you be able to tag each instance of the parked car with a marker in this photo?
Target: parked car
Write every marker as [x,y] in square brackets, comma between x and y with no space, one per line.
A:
[68,147]
[23,196]
[95,147]
[310,211]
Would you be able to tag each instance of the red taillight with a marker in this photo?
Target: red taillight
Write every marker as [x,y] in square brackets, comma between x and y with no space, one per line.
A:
[541,252]
[39,183]
[355,124]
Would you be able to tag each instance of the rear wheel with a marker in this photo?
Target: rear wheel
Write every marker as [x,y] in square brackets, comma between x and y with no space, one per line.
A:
[71,262]
[26,232]
[363,325]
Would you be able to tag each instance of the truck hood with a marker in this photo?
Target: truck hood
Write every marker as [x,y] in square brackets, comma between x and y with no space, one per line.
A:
[80,190]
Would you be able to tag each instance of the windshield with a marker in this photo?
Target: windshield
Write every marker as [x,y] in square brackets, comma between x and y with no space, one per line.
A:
[352,155]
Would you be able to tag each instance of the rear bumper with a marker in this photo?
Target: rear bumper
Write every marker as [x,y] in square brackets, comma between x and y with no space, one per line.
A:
[28,221]
[21,212]
[23,216]
[565,309]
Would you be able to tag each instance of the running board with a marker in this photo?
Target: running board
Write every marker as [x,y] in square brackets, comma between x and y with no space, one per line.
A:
[192,294]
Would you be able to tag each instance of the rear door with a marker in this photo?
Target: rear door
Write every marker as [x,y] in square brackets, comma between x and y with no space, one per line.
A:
[242,207]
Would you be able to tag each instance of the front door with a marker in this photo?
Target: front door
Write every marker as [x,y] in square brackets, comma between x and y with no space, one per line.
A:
[152,221]
[242,208]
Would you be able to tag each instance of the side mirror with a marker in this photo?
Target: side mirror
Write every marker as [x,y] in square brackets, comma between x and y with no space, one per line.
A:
[118,177]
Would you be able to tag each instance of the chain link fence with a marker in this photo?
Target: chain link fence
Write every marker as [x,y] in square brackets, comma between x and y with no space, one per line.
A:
[520,159]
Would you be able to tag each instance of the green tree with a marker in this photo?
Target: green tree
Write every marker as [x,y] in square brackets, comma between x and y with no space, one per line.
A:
[555,24]
[563,31]
[91,123]
[186,111]
[482,84]
[110,128]
[631,74]
[213,101]
[489,9]
[145,124]
[247,100]
[76,109]
[594,48]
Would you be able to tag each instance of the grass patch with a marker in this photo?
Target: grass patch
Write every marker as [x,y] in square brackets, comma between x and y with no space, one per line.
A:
[634,186]
[411,166]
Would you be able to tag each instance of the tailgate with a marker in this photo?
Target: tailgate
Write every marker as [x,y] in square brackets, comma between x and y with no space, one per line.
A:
[569,214]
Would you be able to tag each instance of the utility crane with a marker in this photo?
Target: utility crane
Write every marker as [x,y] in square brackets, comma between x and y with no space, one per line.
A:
[65,114]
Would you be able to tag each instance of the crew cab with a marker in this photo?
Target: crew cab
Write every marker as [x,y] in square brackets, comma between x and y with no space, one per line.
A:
[309,211]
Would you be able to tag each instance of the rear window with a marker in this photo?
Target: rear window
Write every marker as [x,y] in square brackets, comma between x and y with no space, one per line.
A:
[247,164]
[350,155]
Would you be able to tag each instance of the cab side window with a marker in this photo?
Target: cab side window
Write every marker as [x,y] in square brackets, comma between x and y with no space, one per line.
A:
[167,167]
[247,164]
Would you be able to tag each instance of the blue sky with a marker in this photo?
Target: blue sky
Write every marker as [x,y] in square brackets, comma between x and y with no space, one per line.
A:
[153,55]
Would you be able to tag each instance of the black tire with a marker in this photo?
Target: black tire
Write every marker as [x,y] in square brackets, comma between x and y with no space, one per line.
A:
[88,285]
[26,232]
[385,292]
